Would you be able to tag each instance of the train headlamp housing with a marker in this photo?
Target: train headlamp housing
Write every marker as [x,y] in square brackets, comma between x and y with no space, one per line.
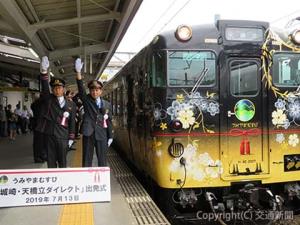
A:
[176,149]
[183,33]
[176,126]
[292,162]
[295,36]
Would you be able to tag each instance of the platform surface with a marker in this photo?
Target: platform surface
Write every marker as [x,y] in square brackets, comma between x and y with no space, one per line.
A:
[18,155]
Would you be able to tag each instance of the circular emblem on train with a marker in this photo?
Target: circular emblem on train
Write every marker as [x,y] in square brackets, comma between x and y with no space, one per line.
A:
[244,110]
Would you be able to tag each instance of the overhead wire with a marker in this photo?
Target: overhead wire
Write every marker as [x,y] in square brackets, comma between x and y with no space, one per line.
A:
[283,17]
[176,13]
[156,21]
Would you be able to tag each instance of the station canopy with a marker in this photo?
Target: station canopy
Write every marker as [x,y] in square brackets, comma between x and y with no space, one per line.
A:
[63,30]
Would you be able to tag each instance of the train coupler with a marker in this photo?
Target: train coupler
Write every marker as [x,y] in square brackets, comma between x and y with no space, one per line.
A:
[187,198]
[260,198]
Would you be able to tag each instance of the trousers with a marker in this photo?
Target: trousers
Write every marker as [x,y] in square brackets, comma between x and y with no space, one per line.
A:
[56,151]
[39,147]
[89,143]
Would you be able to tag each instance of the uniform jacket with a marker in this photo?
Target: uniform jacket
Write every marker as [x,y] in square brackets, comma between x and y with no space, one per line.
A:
[51,116]
[93,120]
[35,107]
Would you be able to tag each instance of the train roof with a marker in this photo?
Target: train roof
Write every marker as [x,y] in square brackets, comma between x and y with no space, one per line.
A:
[204,34]
[210,36]
[167,40]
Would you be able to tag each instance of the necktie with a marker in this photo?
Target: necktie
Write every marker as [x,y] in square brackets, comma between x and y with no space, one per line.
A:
[61,102]
[98,102]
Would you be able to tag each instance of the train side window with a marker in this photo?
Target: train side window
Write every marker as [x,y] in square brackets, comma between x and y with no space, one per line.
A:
[158,71]
[120,101]
[244,78]
[116,102]
[111,101]
[286,69]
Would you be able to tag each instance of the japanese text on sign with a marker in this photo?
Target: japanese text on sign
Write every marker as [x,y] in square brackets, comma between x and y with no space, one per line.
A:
[54,186]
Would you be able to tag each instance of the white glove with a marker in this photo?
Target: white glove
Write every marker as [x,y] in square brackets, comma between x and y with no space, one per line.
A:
[78,65]
[44,64]
[70,143]
[109,141]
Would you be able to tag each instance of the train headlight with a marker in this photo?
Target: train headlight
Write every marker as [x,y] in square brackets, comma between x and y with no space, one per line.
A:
[297,160]
[296,37]
[176,149]
[183,33]
[176,125]
[290,163]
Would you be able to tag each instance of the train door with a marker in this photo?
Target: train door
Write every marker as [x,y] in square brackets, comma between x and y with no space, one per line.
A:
[244,150]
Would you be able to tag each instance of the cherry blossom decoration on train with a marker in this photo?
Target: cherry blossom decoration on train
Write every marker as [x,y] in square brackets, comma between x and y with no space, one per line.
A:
[199,166]
[287,114]
[287,106]
[188,111]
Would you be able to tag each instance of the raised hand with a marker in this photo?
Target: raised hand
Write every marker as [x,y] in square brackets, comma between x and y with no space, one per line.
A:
[78,65]
[44,65]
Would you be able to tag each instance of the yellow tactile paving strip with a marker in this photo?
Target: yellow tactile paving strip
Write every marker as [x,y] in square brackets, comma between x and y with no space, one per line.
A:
[77,214]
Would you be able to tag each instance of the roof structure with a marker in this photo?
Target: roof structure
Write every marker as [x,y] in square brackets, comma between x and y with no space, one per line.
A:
[63,30]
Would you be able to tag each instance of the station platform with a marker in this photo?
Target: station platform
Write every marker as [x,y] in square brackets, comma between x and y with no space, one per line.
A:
[130,204]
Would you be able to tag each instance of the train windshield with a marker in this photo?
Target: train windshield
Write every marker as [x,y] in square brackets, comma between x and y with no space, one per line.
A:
[185,67]
[286,69]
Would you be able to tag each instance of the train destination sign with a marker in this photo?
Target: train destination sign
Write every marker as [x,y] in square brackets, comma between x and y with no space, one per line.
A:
[54,186]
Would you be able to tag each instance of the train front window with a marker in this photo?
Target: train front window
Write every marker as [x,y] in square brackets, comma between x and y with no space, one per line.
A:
[185,67]
[286,69]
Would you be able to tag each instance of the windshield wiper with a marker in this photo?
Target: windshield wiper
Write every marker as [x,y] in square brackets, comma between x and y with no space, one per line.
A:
[199,79]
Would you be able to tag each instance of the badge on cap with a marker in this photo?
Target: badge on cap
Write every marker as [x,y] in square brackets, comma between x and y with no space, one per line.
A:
[95,84]
[56,82]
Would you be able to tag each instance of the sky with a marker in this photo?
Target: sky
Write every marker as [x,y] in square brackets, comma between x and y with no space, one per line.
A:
[156,16]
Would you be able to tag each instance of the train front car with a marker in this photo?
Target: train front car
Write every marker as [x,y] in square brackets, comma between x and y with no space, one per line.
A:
[211,115]
[185,156]
[226,118]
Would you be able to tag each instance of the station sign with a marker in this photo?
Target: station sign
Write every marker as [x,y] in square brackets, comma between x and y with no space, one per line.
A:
[28,187]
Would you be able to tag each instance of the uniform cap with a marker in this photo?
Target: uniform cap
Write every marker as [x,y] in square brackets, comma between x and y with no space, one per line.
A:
[57,82]
[95,84]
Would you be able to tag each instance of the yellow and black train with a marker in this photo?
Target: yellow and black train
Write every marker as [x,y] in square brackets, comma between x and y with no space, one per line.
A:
[211,114]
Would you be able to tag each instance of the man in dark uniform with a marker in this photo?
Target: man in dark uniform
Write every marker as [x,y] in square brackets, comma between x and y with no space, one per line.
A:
[96,126]
[79,115]
[57,120]
[39,148]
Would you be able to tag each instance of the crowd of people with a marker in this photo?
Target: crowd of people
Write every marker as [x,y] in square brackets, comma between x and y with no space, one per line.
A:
[57,117]
[13,122]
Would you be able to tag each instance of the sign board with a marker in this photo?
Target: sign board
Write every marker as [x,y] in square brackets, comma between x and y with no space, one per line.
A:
[54,186]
